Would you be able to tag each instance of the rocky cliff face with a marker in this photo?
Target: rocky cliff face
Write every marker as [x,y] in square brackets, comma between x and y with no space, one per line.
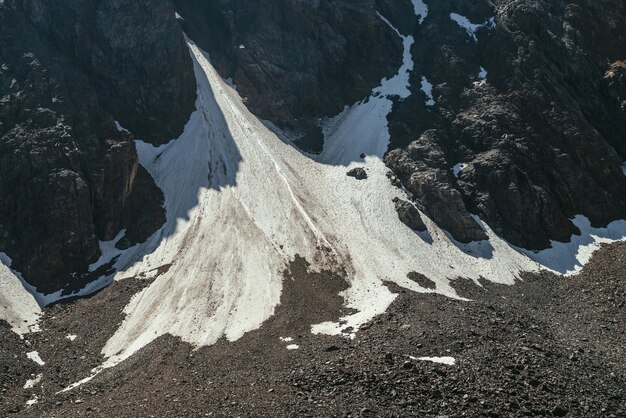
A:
[68,176]
[541,137]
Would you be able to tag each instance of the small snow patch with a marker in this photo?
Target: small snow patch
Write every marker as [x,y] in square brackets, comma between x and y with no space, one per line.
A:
[120,128]
[71,337]
[482,77]
[293,347]
[421,10]
[458,168]
[472,28]
[286,339]
[450,361]
[34,356]
[31,383]
[32,401]
[427,88]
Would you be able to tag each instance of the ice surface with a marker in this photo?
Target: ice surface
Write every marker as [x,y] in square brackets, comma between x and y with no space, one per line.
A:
[421,10]
[34,356]
[241,203]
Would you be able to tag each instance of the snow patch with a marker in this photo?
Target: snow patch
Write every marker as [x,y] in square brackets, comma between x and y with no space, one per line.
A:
[398,84]
[568,258]
[70,337]
[120,128]
[286,340]
[421,10]
[34,356]
[32,401]
[450,361]
[18,306]
[31,383]
[472,28]
[293,347]
[427,88]
[456,170]
[482,77]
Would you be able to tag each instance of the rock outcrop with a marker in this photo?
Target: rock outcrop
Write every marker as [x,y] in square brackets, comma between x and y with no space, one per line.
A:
[534,109]
[68,176]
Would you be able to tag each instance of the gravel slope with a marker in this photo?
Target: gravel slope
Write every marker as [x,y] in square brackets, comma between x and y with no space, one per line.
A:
[547,346]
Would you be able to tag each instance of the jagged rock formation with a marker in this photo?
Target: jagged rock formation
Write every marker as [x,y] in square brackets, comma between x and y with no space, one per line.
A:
[68,177]
[542,138]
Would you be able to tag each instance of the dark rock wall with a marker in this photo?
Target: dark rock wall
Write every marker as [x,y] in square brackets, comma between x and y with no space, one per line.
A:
[544,138]
[68,178]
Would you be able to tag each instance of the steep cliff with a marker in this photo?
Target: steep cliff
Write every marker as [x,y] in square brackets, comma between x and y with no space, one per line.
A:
[68,176]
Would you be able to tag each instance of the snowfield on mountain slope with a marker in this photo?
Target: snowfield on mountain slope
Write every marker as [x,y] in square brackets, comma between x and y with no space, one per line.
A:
[241,203]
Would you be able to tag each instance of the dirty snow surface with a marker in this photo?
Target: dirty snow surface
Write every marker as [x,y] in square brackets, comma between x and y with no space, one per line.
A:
[242,202]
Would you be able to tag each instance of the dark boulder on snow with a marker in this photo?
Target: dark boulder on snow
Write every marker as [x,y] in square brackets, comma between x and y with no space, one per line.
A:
[422,169]
[409,215]
[358,173]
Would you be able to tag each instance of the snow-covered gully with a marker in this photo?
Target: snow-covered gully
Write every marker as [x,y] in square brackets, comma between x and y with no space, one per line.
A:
[242,202]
